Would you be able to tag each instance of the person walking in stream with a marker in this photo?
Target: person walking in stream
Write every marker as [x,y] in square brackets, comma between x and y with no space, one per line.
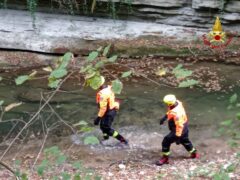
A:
[108,107]
[178,126]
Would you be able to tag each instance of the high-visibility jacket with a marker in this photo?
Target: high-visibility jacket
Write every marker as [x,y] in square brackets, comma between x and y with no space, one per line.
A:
[178,115]
[106,101]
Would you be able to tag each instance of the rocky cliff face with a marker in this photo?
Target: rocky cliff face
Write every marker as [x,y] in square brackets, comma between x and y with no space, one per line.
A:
[54,33]
[193,13]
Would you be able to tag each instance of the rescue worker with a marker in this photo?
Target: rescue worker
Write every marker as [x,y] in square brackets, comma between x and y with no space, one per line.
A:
[107,111]
[178,126]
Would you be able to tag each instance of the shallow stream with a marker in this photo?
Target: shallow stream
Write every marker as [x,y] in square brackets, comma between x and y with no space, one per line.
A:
[141,105]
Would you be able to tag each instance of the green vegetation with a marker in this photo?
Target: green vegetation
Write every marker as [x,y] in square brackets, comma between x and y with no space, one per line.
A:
[76,7]
[90,70]
[52,166]
[230,127]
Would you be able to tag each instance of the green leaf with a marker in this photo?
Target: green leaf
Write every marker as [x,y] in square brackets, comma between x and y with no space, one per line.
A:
[65,60]
[42,167]
[112,59]
[95,82]
[24,176]
[106,50]
[238,116]
[91,140]
[188,83]
[231,168]
[21,79]
[179,66]
[90,75]
[86,129]
[99,64]
[1,102]
[77,177]
[221,176]
[61,159]
[1,78]
[182,73]
[226,123]
[97,178]
[117,86]
[85,69]
[92,56]
[18,162]
[58,73]
[233,143]
[88,177]
[52,151]
[93,5]
[66,176]
[126,74]
[233,98]
[77,165]
[81,123]
[54,84]
[100,49]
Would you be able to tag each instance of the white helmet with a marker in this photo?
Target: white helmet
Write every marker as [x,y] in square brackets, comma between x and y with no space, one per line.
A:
[170,99]
[102,80]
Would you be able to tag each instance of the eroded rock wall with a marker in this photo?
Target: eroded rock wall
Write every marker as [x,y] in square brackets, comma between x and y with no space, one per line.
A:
[192,13]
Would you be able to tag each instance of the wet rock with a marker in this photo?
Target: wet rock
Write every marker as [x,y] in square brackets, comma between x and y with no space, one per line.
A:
[122,166]
[233,6]
[158,3]
[198,4]
[232,16]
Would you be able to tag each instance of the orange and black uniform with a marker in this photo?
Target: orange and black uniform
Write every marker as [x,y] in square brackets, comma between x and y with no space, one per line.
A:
[107,111]
[178,125]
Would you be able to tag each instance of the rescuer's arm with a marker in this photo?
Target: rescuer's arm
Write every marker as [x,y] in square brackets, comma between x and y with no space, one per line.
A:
[102,109]
[97,120]
[163,119]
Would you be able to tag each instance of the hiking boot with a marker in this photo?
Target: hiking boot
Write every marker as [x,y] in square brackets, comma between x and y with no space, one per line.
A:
[105,137]
[194,155]
[124,142]
[163,160]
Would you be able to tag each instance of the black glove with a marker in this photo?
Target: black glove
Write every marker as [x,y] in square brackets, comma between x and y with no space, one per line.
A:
[163,119]
[178,140]
[96,121]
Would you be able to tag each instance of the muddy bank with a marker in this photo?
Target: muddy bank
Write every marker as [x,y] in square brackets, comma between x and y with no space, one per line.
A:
[137,161]
[213,73]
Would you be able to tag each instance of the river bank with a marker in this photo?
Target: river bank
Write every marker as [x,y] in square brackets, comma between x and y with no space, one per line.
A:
[152,52]
[135,162]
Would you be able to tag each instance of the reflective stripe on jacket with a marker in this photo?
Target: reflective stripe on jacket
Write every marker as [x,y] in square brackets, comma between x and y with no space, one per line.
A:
[178,115]
[106,100]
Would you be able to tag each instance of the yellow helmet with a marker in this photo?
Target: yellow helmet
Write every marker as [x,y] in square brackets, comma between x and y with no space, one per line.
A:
[102,80]
[170,99]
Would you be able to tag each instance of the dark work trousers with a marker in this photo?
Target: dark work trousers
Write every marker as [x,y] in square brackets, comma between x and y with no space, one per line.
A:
[171,138]
[106,122]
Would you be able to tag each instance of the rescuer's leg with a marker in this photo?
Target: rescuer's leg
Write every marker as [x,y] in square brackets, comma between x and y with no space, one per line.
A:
[166,143]
[188,146]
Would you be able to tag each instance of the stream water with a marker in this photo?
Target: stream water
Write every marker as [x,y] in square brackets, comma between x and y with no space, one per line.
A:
[141,106]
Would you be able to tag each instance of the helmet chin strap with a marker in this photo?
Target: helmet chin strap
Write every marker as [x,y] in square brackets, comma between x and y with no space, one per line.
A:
[102,86]
[174,105]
